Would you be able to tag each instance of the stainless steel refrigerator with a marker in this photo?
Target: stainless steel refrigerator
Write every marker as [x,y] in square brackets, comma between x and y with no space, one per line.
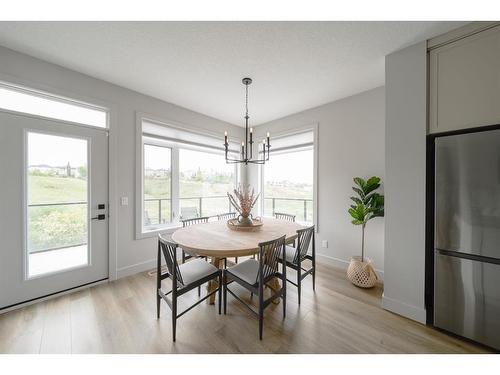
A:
[467,236]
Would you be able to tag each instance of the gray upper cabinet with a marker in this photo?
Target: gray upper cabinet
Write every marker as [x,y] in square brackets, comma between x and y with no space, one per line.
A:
[464,83]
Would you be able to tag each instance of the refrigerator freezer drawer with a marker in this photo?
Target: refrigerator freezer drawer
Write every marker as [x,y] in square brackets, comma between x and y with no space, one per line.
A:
[467,298]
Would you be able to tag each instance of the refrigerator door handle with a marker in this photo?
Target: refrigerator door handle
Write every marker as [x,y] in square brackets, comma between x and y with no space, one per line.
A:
[478,258]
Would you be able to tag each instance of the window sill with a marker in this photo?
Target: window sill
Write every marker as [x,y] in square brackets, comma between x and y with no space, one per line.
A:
[154,232]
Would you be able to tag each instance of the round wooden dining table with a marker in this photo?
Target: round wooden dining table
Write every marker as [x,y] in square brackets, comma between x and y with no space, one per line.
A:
[216,241]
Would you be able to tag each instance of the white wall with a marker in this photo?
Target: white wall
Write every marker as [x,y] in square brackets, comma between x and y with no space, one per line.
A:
[405,140]
[132,255]
[351,143]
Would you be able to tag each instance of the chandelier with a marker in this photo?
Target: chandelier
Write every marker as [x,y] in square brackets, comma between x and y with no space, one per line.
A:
[246,154]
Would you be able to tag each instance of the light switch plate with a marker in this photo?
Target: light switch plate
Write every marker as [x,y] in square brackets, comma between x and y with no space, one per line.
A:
[324,243]
[124,201]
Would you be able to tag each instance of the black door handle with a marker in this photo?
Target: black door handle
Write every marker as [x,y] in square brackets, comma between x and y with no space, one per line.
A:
[99,217]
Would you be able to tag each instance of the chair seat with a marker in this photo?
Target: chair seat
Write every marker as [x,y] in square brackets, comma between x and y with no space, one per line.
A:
[289,254]
[195,270]
[246,271]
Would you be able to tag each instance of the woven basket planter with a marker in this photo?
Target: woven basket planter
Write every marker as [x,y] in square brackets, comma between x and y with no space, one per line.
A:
[361,273]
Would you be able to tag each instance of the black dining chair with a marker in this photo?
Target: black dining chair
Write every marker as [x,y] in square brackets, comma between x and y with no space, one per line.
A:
[185,277]
[283,216]
[255,274]
[287,217]
[192,221]
[294,256]
[226,216]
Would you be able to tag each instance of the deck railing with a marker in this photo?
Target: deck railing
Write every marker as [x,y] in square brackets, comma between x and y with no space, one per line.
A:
[300,207]
[201,206]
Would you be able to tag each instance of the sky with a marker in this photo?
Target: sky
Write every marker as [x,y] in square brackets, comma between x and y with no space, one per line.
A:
[295,167]
[56,151]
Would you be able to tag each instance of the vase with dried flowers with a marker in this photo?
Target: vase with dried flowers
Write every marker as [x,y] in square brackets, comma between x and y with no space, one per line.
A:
[243,199]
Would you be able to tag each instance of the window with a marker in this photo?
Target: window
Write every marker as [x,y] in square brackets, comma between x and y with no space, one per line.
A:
[157,189]
[184,175]
[288,178]
[204,179]
[46,105]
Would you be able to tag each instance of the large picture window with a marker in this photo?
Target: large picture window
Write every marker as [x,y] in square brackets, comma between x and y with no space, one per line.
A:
[288,178]
[288,184]
[183,176]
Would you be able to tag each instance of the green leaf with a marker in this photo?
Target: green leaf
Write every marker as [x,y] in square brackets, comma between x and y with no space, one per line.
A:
[372,184]
[354,213]
[373,181]
[357,200]
[360,182]
[359,191]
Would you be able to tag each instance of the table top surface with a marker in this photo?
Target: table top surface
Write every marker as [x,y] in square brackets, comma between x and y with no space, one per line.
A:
[215,239]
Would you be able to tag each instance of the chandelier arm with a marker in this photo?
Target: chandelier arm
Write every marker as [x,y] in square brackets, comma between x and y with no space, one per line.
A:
[233,161]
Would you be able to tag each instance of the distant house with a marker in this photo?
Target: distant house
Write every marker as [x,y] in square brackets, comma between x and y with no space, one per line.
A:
[62,171]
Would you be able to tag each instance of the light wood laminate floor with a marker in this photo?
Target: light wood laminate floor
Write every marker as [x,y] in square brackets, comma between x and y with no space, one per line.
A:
[120,317]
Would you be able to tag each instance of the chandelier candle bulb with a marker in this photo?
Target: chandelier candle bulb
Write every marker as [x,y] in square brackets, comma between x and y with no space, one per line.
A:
[225,138]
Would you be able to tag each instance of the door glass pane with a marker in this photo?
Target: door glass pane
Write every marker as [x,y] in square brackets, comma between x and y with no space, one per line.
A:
[288,184]
[204,180]
[157,186]
[57,192]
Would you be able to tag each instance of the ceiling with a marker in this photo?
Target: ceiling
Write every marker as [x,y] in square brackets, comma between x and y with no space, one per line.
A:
[199,65]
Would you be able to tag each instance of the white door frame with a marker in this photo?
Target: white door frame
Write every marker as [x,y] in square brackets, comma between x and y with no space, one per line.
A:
[112,132]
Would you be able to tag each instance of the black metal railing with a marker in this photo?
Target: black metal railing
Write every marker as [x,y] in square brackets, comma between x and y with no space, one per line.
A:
[198,203]
[301,207]
[294,206]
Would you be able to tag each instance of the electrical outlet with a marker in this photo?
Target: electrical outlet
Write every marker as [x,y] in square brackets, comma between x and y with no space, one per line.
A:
[124,201]
[324,243]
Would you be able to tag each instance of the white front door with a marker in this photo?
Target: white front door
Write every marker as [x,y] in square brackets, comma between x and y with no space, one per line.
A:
[53,207]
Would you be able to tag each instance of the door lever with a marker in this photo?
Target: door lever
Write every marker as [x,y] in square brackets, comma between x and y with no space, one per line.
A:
[99,217]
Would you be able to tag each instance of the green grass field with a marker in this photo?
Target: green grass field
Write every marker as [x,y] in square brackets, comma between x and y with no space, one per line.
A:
[52,189]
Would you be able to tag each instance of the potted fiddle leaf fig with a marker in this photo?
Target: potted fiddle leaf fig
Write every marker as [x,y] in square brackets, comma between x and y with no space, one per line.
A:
[368,204]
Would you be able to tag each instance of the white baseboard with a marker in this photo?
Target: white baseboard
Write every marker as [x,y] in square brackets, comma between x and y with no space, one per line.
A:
[401,308]
[135,268]
[52,296]
[341,263]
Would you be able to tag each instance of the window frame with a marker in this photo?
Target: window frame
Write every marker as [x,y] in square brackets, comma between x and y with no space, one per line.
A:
[314,128]
[175,147]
